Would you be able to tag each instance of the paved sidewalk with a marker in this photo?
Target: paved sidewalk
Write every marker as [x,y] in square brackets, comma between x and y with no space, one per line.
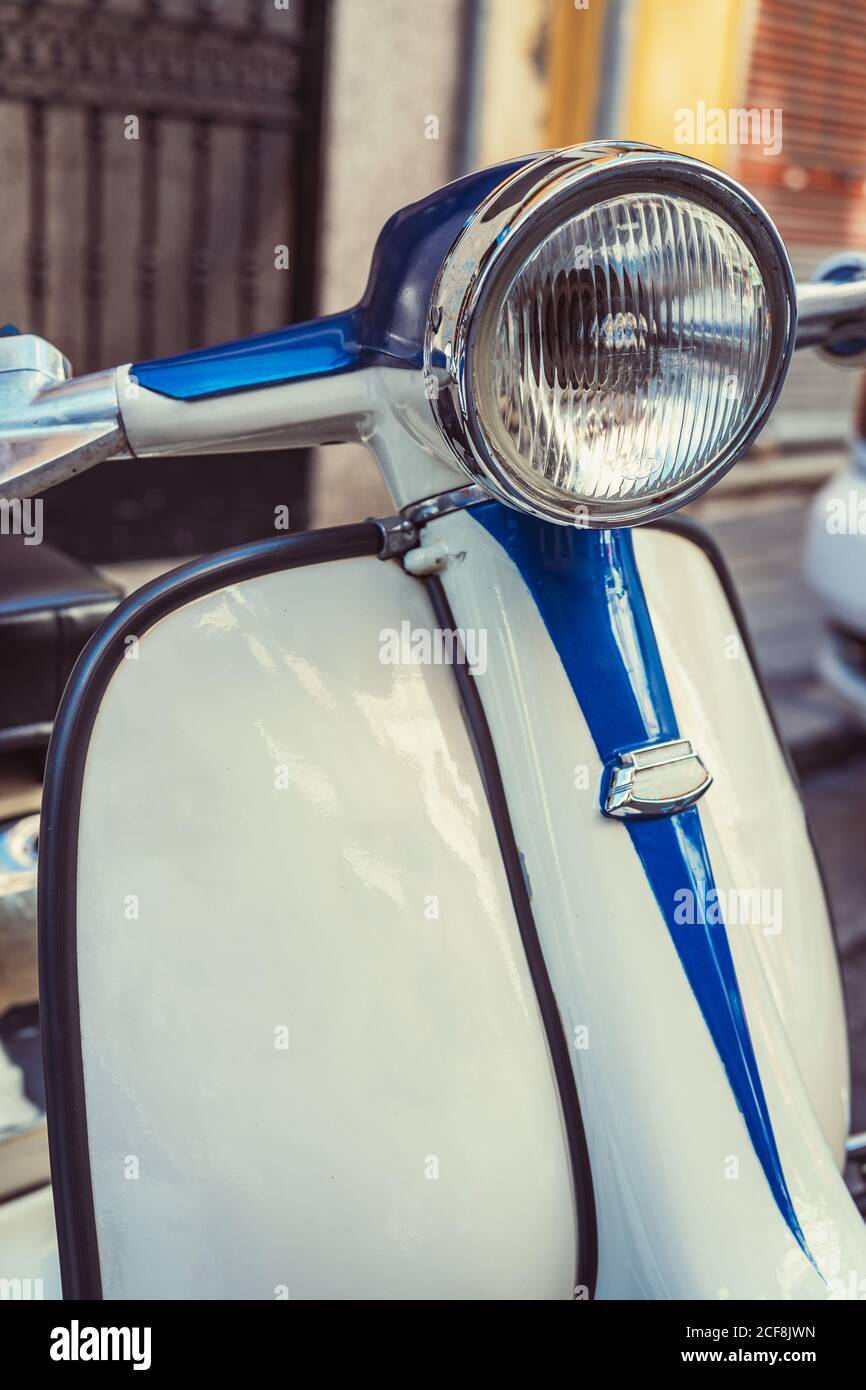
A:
[836,804]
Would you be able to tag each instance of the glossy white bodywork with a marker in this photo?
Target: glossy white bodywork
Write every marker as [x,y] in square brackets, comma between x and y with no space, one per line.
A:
[226,1166]
[408,1142]
[684,1207]
[754,821]
[279,831]
[836,570]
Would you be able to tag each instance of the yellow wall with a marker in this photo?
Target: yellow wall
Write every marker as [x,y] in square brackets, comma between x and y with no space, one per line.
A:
[680,52]
[574,51]
[685,52]
[514,88]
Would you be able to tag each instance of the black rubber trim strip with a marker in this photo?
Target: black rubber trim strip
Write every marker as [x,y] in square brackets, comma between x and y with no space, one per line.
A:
[58,859]
[488,766]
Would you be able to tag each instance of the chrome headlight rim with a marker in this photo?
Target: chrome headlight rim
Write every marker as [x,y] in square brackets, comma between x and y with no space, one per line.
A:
[501,235]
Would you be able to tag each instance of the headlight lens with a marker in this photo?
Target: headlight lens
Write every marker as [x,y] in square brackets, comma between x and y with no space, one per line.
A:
[609,333]
[622,357]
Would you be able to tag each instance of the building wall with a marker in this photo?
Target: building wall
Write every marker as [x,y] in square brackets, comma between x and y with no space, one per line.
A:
[394,82]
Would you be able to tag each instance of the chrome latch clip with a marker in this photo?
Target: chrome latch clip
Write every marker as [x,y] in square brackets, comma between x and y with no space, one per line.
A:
[659,779]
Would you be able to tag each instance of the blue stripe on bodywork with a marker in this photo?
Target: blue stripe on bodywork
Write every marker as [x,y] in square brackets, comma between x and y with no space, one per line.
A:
[589,594]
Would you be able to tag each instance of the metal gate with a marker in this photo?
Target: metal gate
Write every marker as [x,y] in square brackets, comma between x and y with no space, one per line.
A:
[160,164]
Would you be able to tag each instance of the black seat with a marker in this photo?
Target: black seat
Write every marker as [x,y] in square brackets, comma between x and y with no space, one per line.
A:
[49,606]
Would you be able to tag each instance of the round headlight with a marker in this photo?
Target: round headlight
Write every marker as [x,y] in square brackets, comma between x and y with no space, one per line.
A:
[618,342]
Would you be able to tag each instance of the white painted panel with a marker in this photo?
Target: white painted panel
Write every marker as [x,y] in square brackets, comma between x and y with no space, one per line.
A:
[662,1120]
[754,822]
[224,1166]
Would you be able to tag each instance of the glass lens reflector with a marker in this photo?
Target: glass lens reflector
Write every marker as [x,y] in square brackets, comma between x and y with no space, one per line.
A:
[625,356]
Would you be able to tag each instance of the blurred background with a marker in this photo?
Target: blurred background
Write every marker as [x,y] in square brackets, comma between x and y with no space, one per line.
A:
[177,172]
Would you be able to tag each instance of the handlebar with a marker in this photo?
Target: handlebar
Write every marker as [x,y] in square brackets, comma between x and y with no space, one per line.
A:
[304,385]
[832,314]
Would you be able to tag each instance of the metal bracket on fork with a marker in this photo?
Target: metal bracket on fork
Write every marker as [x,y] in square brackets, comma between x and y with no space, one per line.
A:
[402,533]
[398,535]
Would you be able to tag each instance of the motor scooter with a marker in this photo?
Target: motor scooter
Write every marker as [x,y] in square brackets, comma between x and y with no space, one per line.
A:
[427,908]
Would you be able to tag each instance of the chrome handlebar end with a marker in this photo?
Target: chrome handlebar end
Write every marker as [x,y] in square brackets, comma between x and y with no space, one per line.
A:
[831,310]
[52,425]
